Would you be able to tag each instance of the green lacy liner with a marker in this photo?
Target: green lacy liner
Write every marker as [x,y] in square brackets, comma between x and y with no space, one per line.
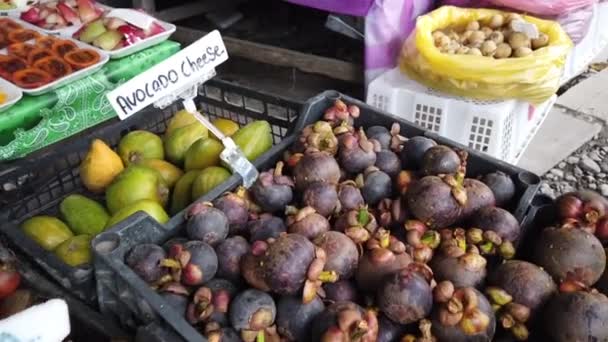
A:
[39,121]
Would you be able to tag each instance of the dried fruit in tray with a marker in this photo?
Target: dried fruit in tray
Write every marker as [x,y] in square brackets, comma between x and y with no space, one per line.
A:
[82,58]
[61,47]
[37,54]
[31,78]
[55,15]
[9,65]
[7,25]
[21,50]
[113,34]
[46,42]
[22,35]
[54,66]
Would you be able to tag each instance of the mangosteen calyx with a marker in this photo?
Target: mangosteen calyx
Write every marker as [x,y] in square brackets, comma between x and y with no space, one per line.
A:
[340,112]
[316,276]
[320,137]
[352,325]
[456,182]
[490,243]
[425,333]
[511,315]
[273,191]
[360,224]
[461,309]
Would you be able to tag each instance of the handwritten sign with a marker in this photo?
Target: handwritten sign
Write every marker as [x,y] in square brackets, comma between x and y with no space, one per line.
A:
[187,67]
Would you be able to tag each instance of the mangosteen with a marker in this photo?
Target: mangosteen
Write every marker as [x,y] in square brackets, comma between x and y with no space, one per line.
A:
[291,263]
[176,295]
[586,210]
[229,254]
[345,321]
[342,253]
[502,187]
[388,162]
[478,196]
[384,255]
[577,316]
[518,291]
[391,213]
[439,160]
[223,335]
[316,167]
[375,185]
[389,331]
[405,296]
[251,268]
[380,134]
[358,224]
[251,312]
[235,206]
[146,260]
[602,284]
[176,240]
[306,222]
[323,197]
[192,263]
[211,304]
[207,224]
[431,201]
[341,291]
[340,113]
[264,227]
[294,318]
[497,220]
[462,314]
[356,152]
[349,196]
[414,150]
[462,268]
[317,137]
[570,255]
[272,191]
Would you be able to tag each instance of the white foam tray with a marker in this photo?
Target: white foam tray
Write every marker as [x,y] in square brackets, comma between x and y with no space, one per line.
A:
[13,94]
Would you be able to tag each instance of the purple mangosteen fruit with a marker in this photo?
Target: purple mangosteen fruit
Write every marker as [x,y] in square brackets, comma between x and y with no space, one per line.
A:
[323,197]
[414,150]
[497,220]
[306,222]
[375,185]
[345,321]
[577,316]
[356,152]
[294,318]
[272,191]
[439,160]
[235,205]
[431,201]
[252,312]
[229,254]
[316,167]
[349,196]
[388,162]
[502,187]
[146,260]
[192,263]
[342,253]
[341,113]
[207,224]
[341,291]
[265,226]
[478,196]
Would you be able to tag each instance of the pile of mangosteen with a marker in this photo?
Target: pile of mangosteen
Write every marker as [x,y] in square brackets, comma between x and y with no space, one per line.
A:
[361,234]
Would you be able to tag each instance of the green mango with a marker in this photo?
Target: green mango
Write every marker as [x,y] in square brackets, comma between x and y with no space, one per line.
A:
[83,215]
[75,251]
[180,119]
[254,139]
[133,184]
[168,171]
[202,154]
[208,179]
[182,192]
[180,139]
[152,208]
[140,145]
[227,127]
[47,231]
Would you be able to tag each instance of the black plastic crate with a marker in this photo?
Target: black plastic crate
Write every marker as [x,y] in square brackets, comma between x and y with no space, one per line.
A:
[37,185]
[123,294]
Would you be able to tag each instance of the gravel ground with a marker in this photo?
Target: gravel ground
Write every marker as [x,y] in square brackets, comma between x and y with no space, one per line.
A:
[587,167]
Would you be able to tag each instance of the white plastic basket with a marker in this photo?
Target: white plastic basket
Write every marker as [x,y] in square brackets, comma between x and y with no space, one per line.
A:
[502,129]
[590,46]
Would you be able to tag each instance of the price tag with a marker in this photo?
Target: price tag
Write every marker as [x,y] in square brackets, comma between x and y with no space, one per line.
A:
[185,69]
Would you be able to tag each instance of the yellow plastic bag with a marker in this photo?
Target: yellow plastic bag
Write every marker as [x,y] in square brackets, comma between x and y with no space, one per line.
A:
[533,78]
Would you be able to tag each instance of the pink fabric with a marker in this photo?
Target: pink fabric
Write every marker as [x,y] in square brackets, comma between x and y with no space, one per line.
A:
[357,8]
[538,7]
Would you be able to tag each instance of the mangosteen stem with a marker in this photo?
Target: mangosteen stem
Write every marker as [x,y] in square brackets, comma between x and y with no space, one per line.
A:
[171,263]
[487,248]
[498,295]
[278,169]
[506,250]
[431,239]
[359,330]
[363,216]
[520,332]
[384,239]
[261,336]
[328,277]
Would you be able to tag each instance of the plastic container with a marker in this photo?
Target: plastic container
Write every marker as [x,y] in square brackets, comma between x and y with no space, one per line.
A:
[41,182]
[502,129]
[123,295]
[13,94]
[594,42]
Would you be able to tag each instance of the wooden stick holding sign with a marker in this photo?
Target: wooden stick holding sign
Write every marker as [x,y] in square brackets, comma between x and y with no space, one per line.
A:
[178,79]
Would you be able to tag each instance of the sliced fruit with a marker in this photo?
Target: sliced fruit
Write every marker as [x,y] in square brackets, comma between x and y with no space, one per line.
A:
[87,10]
[68,13]
[150,207]
[54,66]
[132,34]
[75,251]
[45,42]
[47,231]
[21,50]
[91,31]
[82,58]
[62,47]
[154,29]
[37,54]
[22,35]
[31,78]
[9,65]
[114,23]
[109,40]
[32,15]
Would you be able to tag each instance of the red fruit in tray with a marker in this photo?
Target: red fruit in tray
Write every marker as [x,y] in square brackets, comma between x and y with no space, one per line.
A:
[68,13]
[23,35]
[31,78]
[87,10]
[114,23]
[21,50]
[132,34]
[9,280]
[54,66]
[154,29]
[32,15]
[9,65]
